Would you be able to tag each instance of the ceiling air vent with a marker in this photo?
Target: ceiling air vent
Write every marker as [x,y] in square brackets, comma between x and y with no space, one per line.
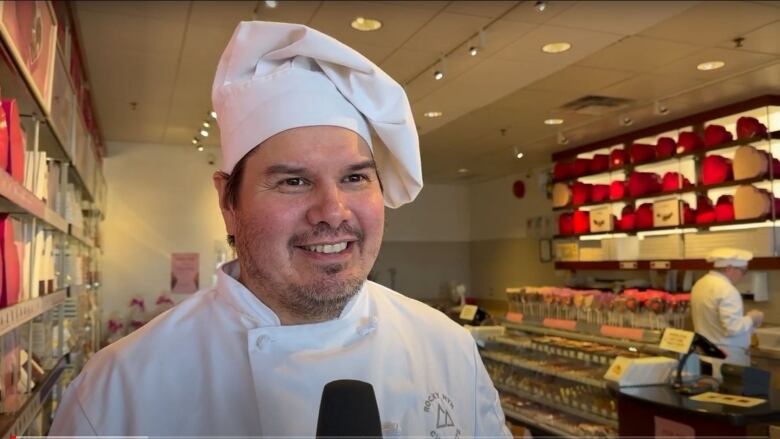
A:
[592,105]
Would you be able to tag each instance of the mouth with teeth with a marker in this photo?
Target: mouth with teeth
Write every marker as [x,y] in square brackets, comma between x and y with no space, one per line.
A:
[327,248]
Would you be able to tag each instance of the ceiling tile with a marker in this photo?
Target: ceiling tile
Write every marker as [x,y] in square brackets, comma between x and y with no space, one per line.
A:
[712,23]
[147,79]
[288,11]
[229,13]
[583,80]
[404,64]
[127,125]
[399,24]
[421,4]
[620,17]
[529,47]
[124,33]
[175,11]
[765,39]
[528,13]
[638,54]
[736,61]
[489,9]
[649,87]
[456,27]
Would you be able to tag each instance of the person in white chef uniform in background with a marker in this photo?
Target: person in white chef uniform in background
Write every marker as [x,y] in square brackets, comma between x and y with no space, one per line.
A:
[716,307]
[302,191]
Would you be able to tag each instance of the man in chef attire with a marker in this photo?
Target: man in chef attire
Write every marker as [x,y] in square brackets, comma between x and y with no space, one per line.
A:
[302,191]
[716,307]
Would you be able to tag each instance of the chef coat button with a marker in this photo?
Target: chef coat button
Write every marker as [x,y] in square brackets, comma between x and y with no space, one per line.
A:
[261,341]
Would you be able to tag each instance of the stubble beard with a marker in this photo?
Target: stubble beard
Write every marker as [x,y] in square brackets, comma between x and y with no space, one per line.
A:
[313,302]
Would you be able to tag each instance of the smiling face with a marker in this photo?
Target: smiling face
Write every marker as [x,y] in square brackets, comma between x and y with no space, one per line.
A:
[308,221]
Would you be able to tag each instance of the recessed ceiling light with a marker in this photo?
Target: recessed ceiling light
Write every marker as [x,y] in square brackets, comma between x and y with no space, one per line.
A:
[200,147]
[556,47]
[204,133]
[519,155]
[438,75]
[433,114]
[463,170]
[553,121]
[710,65]
[365,24]
[270,3]
[194,140]
[206,125]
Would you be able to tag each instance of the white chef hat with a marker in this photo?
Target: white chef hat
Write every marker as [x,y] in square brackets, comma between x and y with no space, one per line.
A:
[276,76]
[729,257]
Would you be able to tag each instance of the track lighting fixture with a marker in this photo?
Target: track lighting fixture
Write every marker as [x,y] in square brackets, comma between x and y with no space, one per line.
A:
[194,140]
[270,4]
[660,109]
[442,70]
[204,133]
[200,148]
[518,154]
[475,49]
[562,139]
[625,121]
[213,114]
[540,6]
[206,124]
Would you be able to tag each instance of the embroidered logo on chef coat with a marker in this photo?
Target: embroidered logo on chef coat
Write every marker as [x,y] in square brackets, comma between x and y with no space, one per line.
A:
[440,408]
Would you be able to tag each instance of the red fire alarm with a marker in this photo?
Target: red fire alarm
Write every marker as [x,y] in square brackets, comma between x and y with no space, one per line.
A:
[518,188]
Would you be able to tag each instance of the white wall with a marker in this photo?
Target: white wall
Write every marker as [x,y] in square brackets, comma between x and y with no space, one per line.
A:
[160,201]
[440,213]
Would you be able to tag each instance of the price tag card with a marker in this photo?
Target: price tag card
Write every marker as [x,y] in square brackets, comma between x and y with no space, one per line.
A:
[736,400]
[676,340]
[468,312]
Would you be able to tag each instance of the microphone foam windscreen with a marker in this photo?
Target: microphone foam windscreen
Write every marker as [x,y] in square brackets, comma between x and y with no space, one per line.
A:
[348,409]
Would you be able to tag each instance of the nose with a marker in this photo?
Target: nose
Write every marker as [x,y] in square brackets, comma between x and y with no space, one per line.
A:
[329,206]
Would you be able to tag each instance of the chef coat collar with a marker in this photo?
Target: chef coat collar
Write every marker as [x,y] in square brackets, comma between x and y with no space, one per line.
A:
[256,314]
[720,275]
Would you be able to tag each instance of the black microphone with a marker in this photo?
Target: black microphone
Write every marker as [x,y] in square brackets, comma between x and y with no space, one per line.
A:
[348,409]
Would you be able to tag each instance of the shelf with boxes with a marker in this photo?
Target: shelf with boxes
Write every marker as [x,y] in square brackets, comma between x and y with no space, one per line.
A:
[687,182]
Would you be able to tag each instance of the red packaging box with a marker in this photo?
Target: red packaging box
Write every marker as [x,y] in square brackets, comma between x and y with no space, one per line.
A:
[641,153]
[617,158]
[644,216]
[715,135]
[688,141]
[665,147]
[617,190]
[599,193]
[565,224]
[643,183]
[580,193]
[673,181]
[724,209]
[581,221]
[716,169]
[599,163]
[15,160]
[580,167]
[748,127]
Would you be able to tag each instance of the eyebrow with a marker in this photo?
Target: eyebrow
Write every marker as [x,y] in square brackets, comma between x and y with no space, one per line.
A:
[295,170]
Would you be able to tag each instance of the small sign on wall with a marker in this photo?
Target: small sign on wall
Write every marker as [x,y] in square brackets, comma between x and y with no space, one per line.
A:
[184,273]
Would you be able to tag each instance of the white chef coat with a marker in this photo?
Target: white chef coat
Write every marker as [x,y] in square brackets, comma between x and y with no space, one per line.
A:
[716,308]
[220,364]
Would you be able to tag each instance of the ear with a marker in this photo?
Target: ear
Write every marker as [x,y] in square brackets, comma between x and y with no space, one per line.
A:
[228,211]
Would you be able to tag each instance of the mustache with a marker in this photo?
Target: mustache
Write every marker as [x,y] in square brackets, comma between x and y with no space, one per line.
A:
[324,230]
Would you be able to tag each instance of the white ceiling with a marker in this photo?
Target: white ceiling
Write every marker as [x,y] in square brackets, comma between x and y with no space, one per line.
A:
[162,56]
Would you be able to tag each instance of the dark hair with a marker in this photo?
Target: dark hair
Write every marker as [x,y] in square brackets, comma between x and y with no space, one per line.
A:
[232,188]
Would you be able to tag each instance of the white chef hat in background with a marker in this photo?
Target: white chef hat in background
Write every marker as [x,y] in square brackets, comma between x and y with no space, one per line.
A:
[729,257]
[276,76]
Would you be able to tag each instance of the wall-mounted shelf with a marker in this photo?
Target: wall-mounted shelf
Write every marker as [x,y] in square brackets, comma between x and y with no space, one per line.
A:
[17,199]
[699,227]
[15,315]
[698,153]
[701,189]
[765,263]
[78,233]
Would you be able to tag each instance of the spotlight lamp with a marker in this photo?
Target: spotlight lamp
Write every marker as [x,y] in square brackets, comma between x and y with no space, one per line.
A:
[475,49]
[200,148]
[206,124]
[213,114]
[517,153]
[625,121]
[441,72]
[204,133]
[562,139]
[540,6]
[660,108]
[194,140]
